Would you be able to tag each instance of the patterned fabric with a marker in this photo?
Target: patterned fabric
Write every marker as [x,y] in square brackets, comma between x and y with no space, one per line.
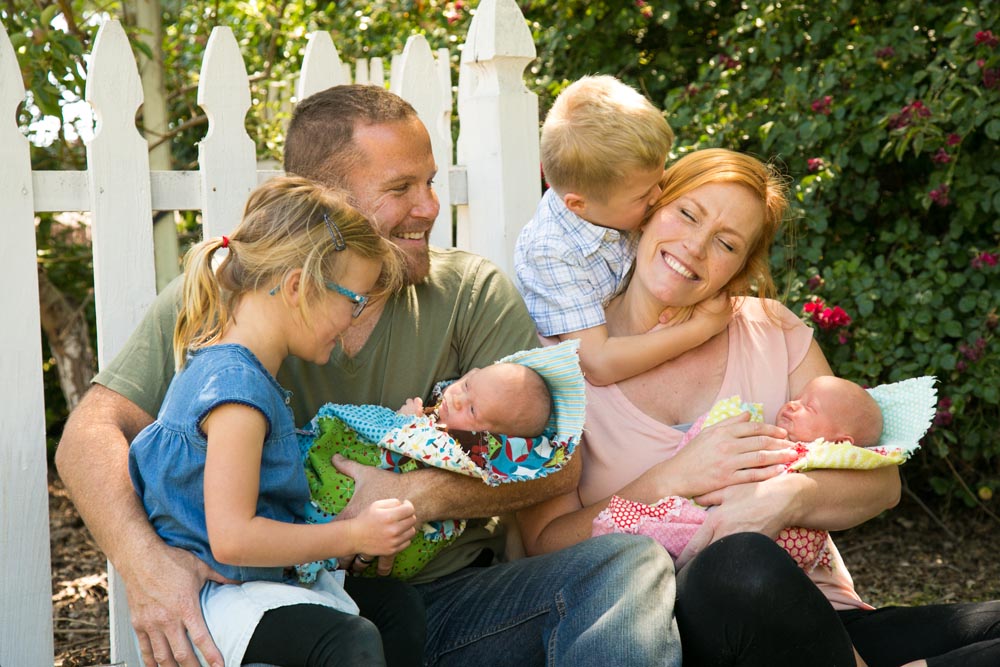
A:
[673,520]
[377,436]
[568,269]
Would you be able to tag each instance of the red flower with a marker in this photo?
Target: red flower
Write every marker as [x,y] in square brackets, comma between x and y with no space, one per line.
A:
[954,139]
[915,109]
[727,62]
[991,78]
[815,282]
[814,163]
[942,156]
[822,105]
[885,52]
[939,195]
[986,37]
[984,259]
[826,317]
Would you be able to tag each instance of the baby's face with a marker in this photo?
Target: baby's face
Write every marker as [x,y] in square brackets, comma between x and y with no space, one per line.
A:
[818,412]
[473,402]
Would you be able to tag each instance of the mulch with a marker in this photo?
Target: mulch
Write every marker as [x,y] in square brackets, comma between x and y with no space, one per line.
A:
[907,556]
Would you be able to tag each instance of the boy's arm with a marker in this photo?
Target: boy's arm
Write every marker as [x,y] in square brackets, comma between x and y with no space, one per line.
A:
[608,359]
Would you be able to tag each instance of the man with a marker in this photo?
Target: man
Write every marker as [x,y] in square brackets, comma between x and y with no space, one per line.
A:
[587,605]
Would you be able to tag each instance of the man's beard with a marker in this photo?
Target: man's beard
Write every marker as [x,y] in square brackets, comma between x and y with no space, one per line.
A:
[417,266]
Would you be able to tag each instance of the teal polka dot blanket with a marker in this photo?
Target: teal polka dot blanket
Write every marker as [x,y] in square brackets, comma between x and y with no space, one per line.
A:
[380,437]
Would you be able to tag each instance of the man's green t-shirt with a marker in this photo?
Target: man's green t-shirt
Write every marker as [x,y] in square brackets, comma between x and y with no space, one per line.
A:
[467,314]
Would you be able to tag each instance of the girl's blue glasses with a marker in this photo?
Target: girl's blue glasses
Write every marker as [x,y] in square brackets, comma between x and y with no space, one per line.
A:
[360,300]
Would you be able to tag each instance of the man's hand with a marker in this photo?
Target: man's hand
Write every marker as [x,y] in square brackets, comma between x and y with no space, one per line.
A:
[413,407]
[764,507]
[166,613]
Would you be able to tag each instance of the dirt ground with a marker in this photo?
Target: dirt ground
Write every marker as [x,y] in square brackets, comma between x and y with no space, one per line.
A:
[906,556]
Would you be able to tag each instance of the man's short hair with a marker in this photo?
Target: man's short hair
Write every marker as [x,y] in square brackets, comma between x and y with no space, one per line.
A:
[320,145]
[598,131]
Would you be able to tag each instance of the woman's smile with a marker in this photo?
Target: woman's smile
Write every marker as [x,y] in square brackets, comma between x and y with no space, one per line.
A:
[678,266]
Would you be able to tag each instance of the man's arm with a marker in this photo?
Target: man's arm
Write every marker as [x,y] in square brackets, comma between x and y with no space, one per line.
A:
[440,494]
[162,583]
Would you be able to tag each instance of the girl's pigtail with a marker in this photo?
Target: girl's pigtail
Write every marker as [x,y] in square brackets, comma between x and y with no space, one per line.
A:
[203,312]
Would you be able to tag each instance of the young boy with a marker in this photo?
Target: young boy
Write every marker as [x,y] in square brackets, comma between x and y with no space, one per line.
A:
[603,149]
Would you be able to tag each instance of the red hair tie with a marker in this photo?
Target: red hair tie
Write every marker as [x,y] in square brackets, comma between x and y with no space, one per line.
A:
[225,241]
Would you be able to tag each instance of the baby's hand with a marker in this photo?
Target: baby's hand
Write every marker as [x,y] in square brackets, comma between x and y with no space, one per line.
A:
[413,406]
[385,527]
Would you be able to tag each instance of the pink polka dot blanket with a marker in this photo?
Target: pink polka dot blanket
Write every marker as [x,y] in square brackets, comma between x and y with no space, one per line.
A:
[907,410]
[380,437]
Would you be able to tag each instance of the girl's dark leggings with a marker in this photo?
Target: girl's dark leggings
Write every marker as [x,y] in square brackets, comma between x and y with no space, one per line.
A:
[743,601]
[389,631]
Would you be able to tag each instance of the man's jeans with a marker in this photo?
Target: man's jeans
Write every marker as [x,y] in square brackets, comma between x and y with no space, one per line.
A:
[607,602]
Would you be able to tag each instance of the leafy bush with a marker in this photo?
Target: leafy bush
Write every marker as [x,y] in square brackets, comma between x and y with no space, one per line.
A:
[886,120]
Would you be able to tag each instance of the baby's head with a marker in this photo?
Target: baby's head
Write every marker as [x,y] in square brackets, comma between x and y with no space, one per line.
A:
[505,398]
[833,409]
[603,148]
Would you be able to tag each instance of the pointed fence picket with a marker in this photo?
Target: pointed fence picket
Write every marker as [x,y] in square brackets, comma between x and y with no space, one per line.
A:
[492,190]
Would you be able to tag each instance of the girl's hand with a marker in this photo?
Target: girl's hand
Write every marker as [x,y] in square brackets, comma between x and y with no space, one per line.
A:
[734,451]
[385,527]
[413,406]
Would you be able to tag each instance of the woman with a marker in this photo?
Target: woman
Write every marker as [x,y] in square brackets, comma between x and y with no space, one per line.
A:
[741,600]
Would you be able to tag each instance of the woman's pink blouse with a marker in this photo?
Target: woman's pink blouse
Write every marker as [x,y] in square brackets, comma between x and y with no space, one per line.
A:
[621,442]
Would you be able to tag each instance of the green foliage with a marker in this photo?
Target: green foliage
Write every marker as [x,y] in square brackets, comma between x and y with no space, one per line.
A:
[885,118]
[886,121]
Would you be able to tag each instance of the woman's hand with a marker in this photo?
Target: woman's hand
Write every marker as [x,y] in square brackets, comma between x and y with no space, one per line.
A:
[734,451]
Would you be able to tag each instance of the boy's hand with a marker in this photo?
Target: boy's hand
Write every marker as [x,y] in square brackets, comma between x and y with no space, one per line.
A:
[385,527]
[713,314]
[413,406]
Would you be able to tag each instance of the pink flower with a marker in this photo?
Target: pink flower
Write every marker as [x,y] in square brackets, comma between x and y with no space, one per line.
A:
[885,52]
[814,163]
[942,156]
[842,337]
[984,259]
[939,195]
[954,139]
[822,105]
[986,37]
[815,282]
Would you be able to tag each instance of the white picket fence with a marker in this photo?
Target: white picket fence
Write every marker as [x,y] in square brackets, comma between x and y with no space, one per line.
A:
[493,187]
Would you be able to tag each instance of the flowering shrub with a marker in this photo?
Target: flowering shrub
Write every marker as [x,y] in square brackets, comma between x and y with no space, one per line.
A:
[886,120]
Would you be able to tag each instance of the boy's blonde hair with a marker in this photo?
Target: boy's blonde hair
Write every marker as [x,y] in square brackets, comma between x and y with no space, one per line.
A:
[598,131]
[288,223]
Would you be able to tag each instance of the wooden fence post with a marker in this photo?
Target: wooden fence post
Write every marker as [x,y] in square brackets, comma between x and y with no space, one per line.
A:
[26,579]
[226,156]
[418,81]
[121,207]
[498,134]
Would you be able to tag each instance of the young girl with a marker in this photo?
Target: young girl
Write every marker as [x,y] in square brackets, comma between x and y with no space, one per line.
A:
[220,473]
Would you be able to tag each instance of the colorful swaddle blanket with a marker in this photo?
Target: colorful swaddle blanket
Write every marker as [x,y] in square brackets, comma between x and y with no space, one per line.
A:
[907,410]
[380,437]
